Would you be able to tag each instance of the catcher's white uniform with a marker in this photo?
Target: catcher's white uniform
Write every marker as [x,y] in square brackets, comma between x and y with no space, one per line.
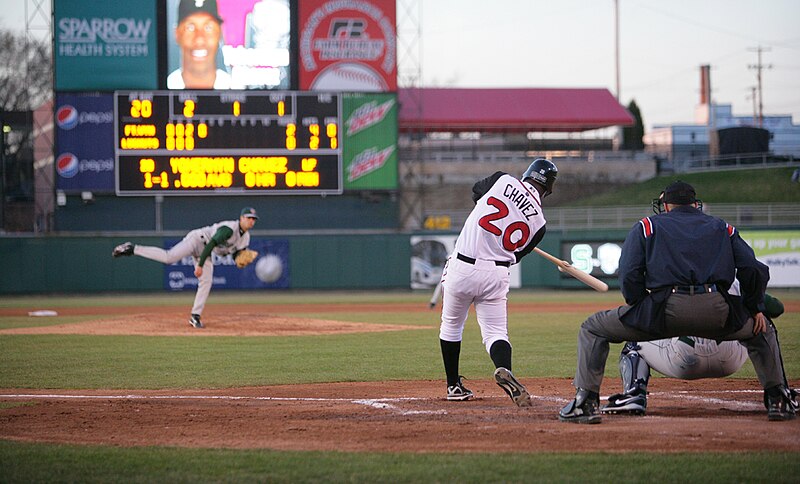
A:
[692,358]
[505,224]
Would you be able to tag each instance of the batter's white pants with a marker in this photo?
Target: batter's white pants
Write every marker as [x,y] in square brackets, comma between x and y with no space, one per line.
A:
[693,358]
[483,284]
[191,245]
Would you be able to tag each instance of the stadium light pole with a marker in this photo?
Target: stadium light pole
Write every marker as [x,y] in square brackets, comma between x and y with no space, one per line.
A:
[620,141]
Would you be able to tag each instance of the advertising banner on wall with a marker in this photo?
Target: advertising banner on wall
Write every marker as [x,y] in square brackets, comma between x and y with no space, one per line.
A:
[229,44]
[84,151]
[596,258]
[780,250]
[348,45]
[369,149]
[429,254]
[105,45]
[269,271]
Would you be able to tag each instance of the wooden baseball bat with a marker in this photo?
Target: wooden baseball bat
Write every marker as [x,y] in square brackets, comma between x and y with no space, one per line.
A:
[565,266]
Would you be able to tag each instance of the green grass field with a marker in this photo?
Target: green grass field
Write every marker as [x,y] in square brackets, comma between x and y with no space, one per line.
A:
[768,185]
[544,346]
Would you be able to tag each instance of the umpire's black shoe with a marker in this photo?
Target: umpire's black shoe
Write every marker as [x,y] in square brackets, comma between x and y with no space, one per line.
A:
[583,409]
[780,404]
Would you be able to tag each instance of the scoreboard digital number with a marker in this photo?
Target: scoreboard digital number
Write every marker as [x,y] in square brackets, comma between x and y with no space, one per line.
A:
[227,142]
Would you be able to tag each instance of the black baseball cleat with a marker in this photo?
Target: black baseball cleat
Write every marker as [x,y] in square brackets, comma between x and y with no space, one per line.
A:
[459,392]
[582,409]
[194,320]
[621,403]
[512,387]
[780,404]
[122,250]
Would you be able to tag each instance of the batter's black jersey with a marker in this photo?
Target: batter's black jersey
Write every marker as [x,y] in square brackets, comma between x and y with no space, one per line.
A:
[685,247]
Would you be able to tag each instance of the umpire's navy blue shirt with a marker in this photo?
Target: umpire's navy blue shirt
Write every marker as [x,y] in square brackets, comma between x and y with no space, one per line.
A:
[685,247]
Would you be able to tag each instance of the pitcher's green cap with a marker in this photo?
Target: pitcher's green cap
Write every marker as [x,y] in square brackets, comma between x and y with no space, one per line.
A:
[249,212]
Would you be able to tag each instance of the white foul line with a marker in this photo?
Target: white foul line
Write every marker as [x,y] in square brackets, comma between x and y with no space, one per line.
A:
[377,403]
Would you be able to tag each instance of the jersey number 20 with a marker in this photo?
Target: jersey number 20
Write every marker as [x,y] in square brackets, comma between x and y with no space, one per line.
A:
[502,212]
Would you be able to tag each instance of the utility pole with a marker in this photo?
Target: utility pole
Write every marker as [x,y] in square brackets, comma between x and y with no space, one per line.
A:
[753,96]
[758,68]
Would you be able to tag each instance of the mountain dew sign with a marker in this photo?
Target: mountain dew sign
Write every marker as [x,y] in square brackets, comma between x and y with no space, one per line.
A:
[369,131]
[780,250]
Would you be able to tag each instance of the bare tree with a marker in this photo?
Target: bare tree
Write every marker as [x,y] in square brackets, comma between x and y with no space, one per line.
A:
[25,71]
[25,84]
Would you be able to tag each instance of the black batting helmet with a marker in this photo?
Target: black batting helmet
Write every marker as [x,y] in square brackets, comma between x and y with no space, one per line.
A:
[543,172]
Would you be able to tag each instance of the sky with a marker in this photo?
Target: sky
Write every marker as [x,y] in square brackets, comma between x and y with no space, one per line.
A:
[571,43]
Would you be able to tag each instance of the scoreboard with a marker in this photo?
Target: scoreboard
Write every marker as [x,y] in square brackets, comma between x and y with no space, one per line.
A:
[227,142]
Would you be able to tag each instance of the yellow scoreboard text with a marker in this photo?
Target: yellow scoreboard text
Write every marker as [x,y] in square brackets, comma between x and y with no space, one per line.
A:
[187,172]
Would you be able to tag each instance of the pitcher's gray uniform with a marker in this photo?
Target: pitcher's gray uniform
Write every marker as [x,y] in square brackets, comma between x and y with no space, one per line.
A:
[222,238]
[192,245]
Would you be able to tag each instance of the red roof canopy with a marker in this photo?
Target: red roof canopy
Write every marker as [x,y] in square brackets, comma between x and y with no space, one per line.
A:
[509,110]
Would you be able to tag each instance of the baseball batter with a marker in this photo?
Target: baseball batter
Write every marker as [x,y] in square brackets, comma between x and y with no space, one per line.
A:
[230,237]
[505,225]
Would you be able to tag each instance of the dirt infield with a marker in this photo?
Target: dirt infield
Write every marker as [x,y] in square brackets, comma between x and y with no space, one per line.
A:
[403,416]
[724,415]
[326,308]
[223,324]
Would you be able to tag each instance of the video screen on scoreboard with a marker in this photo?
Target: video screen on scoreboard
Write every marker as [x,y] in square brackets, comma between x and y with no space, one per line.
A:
[599,259]
[227,142]
[229,44]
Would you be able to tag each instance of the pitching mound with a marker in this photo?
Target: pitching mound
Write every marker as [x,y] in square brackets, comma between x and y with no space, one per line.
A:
[217,324]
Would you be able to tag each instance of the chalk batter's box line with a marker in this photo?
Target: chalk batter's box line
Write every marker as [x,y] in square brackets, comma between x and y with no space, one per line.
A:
[55,396]
[381,403]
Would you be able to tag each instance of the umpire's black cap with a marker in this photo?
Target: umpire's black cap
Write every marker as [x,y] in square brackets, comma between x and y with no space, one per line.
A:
[679,193]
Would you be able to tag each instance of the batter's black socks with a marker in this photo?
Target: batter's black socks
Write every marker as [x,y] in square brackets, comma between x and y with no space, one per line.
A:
[451,351]
[500,352]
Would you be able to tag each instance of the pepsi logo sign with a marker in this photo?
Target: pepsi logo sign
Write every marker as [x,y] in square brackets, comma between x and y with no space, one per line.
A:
[67,117]
[67,165]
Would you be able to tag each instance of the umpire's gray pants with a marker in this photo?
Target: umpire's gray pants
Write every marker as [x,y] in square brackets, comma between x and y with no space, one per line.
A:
[701,315]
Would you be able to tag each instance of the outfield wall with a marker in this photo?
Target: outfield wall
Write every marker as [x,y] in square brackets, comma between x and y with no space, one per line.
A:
[83,263]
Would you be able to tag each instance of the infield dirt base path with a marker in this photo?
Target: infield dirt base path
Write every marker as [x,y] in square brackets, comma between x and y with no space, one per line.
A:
[397,416]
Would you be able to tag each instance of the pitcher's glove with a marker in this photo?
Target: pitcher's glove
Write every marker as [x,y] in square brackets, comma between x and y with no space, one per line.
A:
[244,257]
